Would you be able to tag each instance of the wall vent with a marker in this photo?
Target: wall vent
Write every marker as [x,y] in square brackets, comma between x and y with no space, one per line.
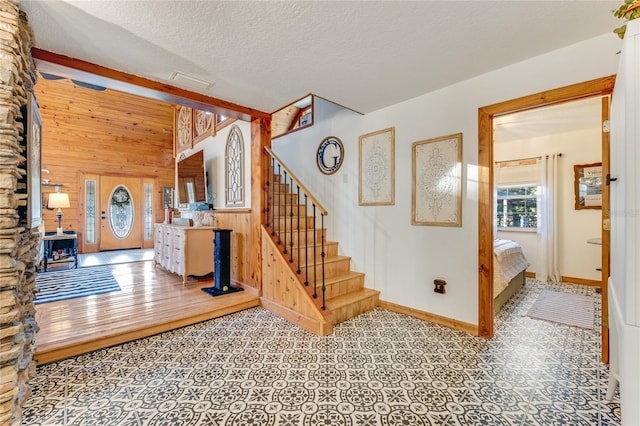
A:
[190,81]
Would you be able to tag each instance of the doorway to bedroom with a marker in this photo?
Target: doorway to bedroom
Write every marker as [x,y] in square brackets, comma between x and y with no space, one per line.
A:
[527,151]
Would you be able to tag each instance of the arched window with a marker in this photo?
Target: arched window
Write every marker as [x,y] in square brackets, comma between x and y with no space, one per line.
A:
[234,164]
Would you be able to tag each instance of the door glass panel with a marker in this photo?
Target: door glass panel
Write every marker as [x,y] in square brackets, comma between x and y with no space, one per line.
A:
[90,211]
[148,211]
[121,212]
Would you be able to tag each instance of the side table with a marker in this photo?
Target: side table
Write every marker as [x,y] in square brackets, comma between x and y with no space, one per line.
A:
[60,248]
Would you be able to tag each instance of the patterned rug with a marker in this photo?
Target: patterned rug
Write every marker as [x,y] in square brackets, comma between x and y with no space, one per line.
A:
[565,308]
[72,283]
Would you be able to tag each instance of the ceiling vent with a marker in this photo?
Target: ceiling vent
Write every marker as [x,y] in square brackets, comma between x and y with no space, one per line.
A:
[190,81]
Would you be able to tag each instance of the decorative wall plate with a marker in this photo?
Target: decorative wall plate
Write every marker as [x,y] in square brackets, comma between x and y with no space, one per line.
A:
[330,155]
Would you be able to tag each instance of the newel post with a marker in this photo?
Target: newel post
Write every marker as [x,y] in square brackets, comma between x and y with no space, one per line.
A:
[260,138]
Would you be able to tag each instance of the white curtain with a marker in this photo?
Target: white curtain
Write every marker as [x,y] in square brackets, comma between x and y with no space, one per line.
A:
[548,269]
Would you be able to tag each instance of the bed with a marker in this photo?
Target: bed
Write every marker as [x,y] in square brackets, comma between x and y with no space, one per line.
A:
[509,266]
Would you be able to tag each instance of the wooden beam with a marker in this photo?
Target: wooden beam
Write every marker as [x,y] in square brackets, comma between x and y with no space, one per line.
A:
[78,69]
[260,138]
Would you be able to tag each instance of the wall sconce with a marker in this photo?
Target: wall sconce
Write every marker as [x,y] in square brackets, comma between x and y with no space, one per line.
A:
[60,201]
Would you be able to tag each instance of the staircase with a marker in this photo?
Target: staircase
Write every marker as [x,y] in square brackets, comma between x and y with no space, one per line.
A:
[304,278]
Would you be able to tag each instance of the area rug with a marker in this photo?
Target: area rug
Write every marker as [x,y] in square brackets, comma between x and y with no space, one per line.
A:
[564,308]
[72,283]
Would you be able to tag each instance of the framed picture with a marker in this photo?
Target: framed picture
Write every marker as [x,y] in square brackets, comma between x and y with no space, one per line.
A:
[34,163]
[167,197]
[588,186]
[436,195]
[376,185]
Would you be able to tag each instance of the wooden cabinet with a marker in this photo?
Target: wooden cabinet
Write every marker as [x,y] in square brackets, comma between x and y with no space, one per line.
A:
[184,250]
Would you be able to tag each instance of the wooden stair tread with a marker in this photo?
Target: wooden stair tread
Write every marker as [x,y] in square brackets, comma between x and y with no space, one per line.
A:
[329,259]
[336,279]
[349,298]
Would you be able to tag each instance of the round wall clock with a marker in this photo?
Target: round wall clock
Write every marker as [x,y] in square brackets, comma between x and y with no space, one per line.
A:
[330,155]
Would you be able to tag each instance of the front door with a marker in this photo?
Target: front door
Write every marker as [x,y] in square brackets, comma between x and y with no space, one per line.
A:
[120,212]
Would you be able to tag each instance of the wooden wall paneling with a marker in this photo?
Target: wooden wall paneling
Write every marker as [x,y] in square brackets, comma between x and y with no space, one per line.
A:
[260,138]
[239,221]
[102,133]
[283,293]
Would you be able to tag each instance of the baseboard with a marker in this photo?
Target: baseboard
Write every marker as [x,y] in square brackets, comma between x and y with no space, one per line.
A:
[427,316]
[582,281]
[572,280]
[312,325]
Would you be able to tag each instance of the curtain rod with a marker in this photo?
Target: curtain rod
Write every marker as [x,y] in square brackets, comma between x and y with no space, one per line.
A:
[525,159]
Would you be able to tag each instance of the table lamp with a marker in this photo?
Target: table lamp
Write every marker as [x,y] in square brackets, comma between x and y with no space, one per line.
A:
[59,200]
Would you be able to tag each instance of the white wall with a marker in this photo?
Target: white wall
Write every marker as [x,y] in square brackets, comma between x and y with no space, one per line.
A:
[214,152]
[577,259]
[399,259]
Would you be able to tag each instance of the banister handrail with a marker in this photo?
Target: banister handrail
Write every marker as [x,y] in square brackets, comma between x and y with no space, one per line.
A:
[285,199]
[304,189]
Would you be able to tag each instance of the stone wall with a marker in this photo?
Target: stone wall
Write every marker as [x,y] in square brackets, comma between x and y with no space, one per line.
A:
[19,241]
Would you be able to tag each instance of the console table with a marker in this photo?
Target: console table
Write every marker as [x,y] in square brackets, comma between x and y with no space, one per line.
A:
[60,248]
[184,250]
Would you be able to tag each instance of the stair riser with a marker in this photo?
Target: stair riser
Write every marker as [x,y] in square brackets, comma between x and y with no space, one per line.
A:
[361,306]
[331,269]
[281,199]
[342,287]
[330,250]
[278,211]
[292,223]
[281,188]
[304,235]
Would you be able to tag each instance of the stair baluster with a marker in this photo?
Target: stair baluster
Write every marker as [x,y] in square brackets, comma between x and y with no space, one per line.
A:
[306,244]
[291,221]
[273,193]
[269,201]
[298,203]
[279,204]
[315,278]
[286,199]
[322,254]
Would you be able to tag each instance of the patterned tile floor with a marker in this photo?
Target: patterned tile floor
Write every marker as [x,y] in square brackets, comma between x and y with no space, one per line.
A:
[381,368]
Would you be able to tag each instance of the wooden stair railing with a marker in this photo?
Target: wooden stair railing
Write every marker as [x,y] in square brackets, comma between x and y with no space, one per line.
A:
[304,278]
[279,196]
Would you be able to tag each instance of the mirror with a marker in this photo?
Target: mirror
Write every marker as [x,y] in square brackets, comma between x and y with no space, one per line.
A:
[295,116]
[191,179]
[588,186]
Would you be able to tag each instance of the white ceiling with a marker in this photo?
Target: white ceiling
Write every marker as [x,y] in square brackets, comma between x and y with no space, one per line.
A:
[364,55]
[562,118]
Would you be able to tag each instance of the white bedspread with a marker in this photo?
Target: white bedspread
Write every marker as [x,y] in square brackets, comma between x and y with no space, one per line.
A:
[510,258]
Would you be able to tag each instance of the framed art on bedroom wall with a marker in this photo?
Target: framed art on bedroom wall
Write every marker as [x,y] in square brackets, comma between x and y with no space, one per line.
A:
[588,186]
[436,193]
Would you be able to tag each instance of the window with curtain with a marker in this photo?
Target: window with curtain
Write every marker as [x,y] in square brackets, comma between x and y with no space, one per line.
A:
[234,169]
[516,206]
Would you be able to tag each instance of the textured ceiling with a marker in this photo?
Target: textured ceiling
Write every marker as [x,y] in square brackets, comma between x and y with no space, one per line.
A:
[364,55]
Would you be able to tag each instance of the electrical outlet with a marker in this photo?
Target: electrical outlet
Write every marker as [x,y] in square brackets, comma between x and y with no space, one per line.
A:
[439,286]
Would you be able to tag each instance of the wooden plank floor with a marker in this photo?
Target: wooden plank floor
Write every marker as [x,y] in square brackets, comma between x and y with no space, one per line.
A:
[152,300]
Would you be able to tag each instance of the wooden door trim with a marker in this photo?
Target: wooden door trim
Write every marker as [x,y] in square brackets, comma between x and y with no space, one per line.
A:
[606,234]
[597,87]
